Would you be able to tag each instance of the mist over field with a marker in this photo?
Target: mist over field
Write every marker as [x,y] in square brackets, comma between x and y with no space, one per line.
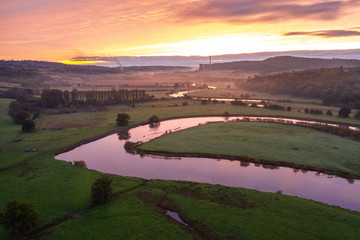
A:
[194,61]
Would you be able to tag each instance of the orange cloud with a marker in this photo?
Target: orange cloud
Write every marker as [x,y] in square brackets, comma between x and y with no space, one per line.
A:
[245,11]
[325,33]
[53,30]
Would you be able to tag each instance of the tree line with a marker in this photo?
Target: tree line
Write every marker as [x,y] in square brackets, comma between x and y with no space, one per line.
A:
[336,86]
[51,98]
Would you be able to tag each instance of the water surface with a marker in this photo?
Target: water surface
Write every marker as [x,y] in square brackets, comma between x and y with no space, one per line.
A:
[108,155]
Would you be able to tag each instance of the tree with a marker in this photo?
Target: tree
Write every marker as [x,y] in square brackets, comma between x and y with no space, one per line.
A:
[101,191]
[154,119]
[357,115]
[14,108]
[344,112]
[19,218]
[21,116]
[28,125]
[329,113]
[122,119]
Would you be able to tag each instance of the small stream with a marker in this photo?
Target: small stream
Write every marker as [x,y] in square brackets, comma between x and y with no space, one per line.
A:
[176,217]
[108,155]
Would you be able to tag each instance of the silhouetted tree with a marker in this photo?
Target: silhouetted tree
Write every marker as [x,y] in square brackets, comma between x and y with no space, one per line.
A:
[154,119]
[344,112]
[14,107]
[122,119]
[19,218]
[28,125]
[329,113]
[21,116]
[101,191]
[51,98]
[357,115]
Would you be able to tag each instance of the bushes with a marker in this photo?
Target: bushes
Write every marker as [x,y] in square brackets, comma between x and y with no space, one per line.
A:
[357,115]
[315,111]
[238,103]
[131,147]
[344,112]
[154,119]
[21,116]
[80,163]
[274,107]
[19,218]
[122,119]
[28,126]
[101,191]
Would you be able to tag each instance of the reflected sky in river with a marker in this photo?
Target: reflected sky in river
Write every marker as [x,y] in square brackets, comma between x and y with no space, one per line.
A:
[108,155]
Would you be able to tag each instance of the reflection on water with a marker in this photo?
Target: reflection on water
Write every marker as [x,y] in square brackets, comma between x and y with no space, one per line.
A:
[108,155]
[123,135]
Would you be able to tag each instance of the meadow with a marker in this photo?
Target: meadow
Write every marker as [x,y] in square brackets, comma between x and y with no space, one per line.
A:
[273,142]
[60,191]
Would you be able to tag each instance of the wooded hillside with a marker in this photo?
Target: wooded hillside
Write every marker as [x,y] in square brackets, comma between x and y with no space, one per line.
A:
[336,86]
[285,63]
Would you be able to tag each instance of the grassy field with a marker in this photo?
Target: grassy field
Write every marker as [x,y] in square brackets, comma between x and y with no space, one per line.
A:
[224,92]
[61,191]
[266,141]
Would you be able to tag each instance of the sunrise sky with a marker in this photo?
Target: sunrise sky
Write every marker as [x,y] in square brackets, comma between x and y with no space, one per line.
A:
[61,30]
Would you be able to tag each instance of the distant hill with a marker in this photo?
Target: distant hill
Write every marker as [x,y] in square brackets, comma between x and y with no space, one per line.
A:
[336,86]
[83,69]
[284,64]
[35,74]
[58,67]
[194,61]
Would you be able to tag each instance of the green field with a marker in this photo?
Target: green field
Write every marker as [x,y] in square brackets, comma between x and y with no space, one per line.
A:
[61,191]
[265,141]
[233,92]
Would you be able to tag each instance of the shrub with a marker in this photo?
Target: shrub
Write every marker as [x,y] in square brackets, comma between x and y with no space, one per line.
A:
[185,103]
[80,163]
[101,191]
[21,116]
[329,113]
[131,147]
[14,108]
[154,119]
[19,218]
[274,107]
[357,115]
[344,112]
[28,126]
[122,119]
[238,103]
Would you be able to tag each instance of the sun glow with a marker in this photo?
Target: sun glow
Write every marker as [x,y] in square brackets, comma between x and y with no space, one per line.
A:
[79,62]
[233,44]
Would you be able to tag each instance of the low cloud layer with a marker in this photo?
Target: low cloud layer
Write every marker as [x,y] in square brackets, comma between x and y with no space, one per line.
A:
[325,33]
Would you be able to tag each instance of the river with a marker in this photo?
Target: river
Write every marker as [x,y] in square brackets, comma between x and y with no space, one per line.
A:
[109,156]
